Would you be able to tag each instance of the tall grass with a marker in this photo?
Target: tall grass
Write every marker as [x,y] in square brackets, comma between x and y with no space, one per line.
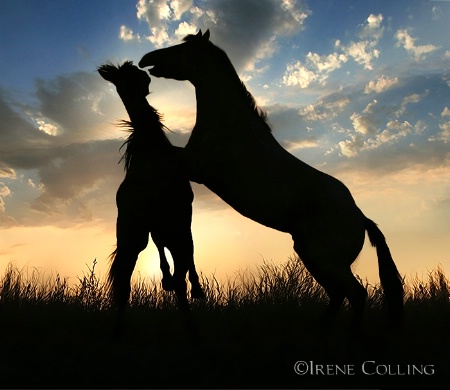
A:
[247,333]
[271,284]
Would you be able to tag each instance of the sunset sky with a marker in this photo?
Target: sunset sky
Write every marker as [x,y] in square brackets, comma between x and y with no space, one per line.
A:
[358,89]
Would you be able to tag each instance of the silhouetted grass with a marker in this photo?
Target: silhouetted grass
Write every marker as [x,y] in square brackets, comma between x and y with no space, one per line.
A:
[248,332]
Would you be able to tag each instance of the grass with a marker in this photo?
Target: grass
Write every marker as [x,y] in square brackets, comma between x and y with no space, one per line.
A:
[248,333]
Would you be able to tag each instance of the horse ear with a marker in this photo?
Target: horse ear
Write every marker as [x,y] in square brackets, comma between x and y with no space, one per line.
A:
[107,71]
[199,34]
[206,36]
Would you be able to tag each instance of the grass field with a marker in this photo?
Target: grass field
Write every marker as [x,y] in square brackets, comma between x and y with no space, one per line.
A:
[249,332]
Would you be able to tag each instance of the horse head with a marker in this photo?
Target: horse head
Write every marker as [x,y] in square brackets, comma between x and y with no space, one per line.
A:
[127,78]
[179,62]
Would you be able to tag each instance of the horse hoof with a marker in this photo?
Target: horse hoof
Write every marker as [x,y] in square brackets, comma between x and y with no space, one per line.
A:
[167,284]
[197,293]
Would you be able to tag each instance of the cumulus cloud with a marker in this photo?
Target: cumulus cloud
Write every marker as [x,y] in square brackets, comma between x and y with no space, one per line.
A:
[405,40]
[365,123]
[298,75]
[317,68]
[262,23]
[365,51]
[381,84]
[324,109]
[352,146]
[126,34]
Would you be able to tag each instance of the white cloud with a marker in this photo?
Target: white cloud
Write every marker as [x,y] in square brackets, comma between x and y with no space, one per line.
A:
[413,98]
[445,112]
[326,63]
[362,52]
[373,28]
[297,74]
[4,190]
[393,132]
[365,123]
[351,147]
[444,134]
[301,144]
[383,83]
[126,34]
[158,14]
[317,67]
[46,127]
[185,28]
[323,110]
[410,99]
[6,171]
[230,21]
[365,51]
[408,43]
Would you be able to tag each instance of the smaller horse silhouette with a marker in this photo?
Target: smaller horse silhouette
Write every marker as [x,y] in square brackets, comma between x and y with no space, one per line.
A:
[155,196]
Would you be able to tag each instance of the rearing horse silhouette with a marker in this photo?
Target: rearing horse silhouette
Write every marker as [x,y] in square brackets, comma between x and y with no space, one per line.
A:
[155,196]
[233,152]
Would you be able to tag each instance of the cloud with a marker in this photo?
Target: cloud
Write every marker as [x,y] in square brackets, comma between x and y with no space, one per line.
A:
[365,123]
[298,75]
[63,140]
[381,84]
[261,22]
[408,43]
[303,144]
[6,171]
[365,51]
[372,29]
[325,109]
[126,34]
[4,190]
[317,68]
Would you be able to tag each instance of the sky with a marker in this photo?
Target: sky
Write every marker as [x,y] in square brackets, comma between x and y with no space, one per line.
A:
[357,89]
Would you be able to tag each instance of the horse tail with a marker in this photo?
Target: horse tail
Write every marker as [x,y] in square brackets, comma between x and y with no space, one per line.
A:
[112,273]
[390,279]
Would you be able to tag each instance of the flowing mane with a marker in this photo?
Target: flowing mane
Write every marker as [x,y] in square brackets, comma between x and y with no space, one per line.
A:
[142,141]
[226,61]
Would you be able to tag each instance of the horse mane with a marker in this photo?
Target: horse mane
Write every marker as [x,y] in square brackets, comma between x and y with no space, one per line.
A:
[141,141]
[249,97]
[147,133]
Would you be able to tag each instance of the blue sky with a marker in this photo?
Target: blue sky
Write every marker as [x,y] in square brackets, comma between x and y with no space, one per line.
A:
[359,89]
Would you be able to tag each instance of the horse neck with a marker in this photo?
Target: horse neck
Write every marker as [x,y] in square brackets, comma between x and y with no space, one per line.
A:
[221,98]
[145,120]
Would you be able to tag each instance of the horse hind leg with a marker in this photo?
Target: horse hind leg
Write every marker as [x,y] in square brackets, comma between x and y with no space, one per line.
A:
[167,279]
[196,288]
[119,287]
[339,283]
